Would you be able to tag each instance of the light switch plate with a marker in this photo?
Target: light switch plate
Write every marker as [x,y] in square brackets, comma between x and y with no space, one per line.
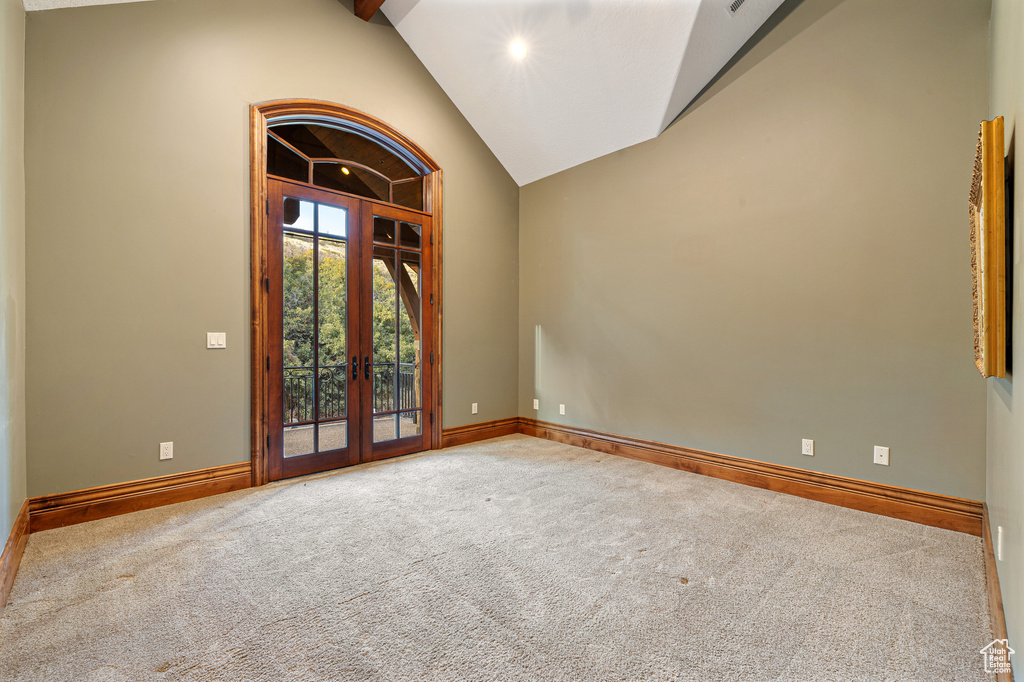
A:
[216,340]
[561,409]
[475,408]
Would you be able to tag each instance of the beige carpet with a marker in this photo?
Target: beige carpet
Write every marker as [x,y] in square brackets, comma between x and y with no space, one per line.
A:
[512,559]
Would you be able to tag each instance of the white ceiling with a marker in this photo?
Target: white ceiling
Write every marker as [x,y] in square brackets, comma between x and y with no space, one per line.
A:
[599,75]
[34,5]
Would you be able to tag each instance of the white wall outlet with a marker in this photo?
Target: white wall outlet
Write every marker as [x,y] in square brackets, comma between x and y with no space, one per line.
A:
[881,455]
[216,340]
[808,447]
[561,409]
[166,450]
[536,404]
[999,543]
[475,408]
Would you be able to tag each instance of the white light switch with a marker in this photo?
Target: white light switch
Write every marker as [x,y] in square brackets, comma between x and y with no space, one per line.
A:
[216,340]
[561,409]
[475,408]
[881,455]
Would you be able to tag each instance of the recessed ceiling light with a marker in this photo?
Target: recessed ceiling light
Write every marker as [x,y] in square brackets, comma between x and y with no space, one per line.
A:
[517,48]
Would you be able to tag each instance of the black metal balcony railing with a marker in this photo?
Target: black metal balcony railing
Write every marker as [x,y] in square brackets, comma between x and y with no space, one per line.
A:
[385,391]
[333,391]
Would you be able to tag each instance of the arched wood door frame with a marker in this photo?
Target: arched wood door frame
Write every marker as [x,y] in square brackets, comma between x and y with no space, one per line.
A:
[324,113]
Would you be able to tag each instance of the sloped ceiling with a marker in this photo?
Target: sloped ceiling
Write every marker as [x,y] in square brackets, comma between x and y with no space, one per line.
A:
[598,75]
[35,5]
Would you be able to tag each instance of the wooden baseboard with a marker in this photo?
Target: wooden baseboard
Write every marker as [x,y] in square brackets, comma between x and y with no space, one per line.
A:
[941,511]
[11,558]
[66,509]
[997,618]
[460,435]
[930,509]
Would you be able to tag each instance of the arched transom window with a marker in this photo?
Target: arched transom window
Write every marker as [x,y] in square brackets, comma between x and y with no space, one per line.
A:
[345,160]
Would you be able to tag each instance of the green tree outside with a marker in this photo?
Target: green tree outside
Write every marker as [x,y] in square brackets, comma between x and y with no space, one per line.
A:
[298,307]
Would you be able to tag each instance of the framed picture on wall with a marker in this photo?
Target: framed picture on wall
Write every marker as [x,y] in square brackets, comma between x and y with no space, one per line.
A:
[987,208]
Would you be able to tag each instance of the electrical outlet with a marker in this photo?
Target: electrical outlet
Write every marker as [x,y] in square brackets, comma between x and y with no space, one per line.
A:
[881,455]
[561,409]
[808,447]
[999,543]
[536,404]
[475,408]
[166,450]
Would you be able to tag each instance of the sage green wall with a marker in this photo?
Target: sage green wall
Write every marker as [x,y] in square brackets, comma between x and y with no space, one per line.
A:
[1005,411]
[12,263]
[788,260]
[137,158]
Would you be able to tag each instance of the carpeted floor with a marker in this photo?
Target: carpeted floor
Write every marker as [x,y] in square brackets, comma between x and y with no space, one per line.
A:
[511,559]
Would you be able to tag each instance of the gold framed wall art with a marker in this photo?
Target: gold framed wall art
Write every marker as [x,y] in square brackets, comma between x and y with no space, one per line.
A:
[987,208]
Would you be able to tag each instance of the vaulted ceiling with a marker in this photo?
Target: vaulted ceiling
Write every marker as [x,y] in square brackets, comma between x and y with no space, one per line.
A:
[551,84]
[35,5]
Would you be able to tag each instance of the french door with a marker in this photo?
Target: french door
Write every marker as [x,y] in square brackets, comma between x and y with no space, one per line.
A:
[350,311]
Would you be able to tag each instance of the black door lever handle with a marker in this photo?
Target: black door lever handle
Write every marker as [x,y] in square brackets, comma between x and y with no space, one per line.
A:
[366,366]
[355,367]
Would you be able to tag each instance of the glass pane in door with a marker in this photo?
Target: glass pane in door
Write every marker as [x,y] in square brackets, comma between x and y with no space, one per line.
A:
[298,340]
[332,328]
[397,352]
[383,230]
[333,435]
[409,347]
[315,325]
[298,440]
[385,348]
[410,424]
[384,428]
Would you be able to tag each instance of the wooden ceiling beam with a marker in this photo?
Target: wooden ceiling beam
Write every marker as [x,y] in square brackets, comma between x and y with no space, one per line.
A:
[364,9]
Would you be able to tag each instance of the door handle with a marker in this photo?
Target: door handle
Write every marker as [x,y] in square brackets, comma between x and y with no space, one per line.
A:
[366,366]
[355,367]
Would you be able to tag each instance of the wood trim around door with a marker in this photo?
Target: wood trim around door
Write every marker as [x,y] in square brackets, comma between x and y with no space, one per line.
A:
[435,198]
[259,224]
[320,112]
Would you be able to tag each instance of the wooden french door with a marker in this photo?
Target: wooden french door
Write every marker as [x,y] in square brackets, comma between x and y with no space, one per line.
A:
[350,306]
